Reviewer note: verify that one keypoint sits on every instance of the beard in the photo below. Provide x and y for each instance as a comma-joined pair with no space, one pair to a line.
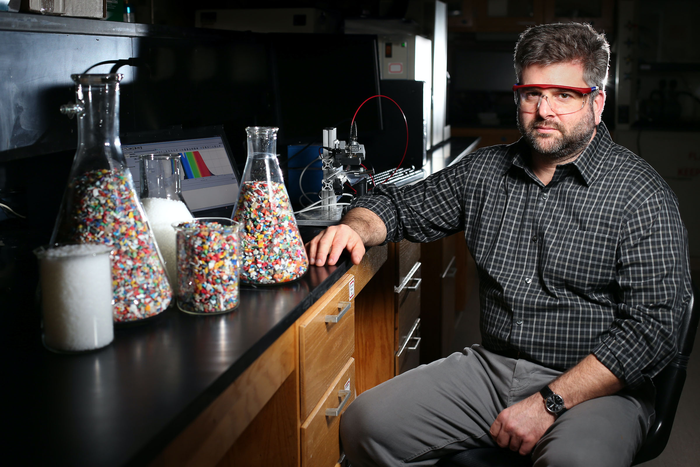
558,147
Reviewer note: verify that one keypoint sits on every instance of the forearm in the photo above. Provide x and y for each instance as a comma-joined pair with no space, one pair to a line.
587,380
520,426
367,224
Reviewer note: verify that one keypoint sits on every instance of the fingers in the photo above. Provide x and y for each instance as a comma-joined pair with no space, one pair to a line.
518,435
507,437
500,435
327,246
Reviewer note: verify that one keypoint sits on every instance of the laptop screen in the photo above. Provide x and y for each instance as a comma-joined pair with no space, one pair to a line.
210,179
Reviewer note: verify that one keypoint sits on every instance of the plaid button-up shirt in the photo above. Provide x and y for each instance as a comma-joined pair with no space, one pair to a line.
594,262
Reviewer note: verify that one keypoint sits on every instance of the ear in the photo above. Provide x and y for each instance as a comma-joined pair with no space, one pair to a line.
598,105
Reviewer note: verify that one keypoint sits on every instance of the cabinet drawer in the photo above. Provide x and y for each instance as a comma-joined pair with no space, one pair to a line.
320,439
324,345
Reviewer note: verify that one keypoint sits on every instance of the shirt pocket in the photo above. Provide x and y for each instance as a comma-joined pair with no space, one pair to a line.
579,260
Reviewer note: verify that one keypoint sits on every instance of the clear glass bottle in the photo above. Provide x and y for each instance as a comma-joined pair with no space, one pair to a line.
161,196
100,204
272,250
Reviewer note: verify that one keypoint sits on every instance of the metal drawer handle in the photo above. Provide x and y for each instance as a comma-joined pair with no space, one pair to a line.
414,346
335,318
335,412
409,338
408,278
450,271
414,286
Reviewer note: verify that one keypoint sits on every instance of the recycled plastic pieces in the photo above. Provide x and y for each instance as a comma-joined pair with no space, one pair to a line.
272,250
100,204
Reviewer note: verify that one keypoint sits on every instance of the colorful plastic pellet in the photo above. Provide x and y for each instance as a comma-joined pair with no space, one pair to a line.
271,247
106,210
208,266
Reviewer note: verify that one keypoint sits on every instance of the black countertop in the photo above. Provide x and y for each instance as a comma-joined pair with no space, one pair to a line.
121,405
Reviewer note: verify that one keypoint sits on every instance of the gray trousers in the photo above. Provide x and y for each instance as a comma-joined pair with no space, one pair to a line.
449,405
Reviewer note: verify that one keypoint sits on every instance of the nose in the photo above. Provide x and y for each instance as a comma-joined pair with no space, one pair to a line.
541,110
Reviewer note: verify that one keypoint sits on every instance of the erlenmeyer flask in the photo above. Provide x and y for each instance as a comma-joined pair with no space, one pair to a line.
161,196
271,247
100,204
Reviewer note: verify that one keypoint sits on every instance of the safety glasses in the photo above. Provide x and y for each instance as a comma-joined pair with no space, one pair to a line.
562,100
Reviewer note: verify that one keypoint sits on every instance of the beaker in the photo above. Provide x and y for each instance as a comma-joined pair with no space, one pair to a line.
161,196
272,250
100,204
76,297
208,265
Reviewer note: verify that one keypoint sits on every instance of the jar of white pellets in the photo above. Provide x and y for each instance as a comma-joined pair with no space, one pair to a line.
76,297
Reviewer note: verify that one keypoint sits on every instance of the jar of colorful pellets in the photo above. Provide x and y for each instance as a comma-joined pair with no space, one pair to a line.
208,265
100,204
272,250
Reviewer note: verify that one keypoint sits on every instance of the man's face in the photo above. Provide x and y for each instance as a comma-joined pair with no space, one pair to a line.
559,137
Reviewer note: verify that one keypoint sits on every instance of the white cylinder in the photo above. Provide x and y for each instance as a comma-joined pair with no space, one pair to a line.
162,213
76,287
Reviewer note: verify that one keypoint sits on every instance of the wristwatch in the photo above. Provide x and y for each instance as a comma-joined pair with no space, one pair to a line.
553,402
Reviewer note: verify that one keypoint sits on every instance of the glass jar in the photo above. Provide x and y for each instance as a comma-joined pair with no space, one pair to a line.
76,317
100,204
272,250
208,265
161,196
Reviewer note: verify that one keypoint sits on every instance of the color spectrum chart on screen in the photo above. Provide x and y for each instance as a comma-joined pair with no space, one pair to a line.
209,180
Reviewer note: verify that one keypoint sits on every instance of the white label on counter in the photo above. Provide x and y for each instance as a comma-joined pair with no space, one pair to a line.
351,289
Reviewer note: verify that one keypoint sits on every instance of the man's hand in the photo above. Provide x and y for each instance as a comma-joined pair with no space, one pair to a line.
329,244
359,228
520,426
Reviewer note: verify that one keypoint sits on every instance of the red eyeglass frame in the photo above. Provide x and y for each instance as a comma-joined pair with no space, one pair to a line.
549,86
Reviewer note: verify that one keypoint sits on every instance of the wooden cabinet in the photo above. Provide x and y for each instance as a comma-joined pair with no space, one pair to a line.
295,403
326,372
387,339
326,342
450,305
285,409
407,303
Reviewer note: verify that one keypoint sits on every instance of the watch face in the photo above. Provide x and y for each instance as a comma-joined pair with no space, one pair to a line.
554,403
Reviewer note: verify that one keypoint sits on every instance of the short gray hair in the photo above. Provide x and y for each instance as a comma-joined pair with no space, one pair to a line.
549,44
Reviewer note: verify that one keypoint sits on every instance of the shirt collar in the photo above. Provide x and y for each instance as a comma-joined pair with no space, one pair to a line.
587,164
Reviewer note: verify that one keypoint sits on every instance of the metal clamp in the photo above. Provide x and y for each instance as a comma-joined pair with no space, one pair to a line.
408,278
335,412
409,338
335,318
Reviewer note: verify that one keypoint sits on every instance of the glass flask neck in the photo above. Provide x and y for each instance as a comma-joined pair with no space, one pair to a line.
262,163
97,110
262,140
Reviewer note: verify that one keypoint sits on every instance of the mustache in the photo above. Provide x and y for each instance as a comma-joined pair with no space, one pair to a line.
544,124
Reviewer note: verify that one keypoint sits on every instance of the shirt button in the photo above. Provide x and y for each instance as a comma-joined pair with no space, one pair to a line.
545,195
534,238
528,280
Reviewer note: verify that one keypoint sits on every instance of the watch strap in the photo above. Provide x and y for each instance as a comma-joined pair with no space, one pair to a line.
546,392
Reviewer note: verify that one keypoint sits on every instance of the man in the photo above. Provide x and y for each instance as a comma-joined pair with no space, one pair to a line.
584,275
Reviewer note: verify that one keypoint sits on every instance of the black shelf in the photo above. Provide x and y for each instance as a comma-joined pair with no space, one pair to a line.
669,67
